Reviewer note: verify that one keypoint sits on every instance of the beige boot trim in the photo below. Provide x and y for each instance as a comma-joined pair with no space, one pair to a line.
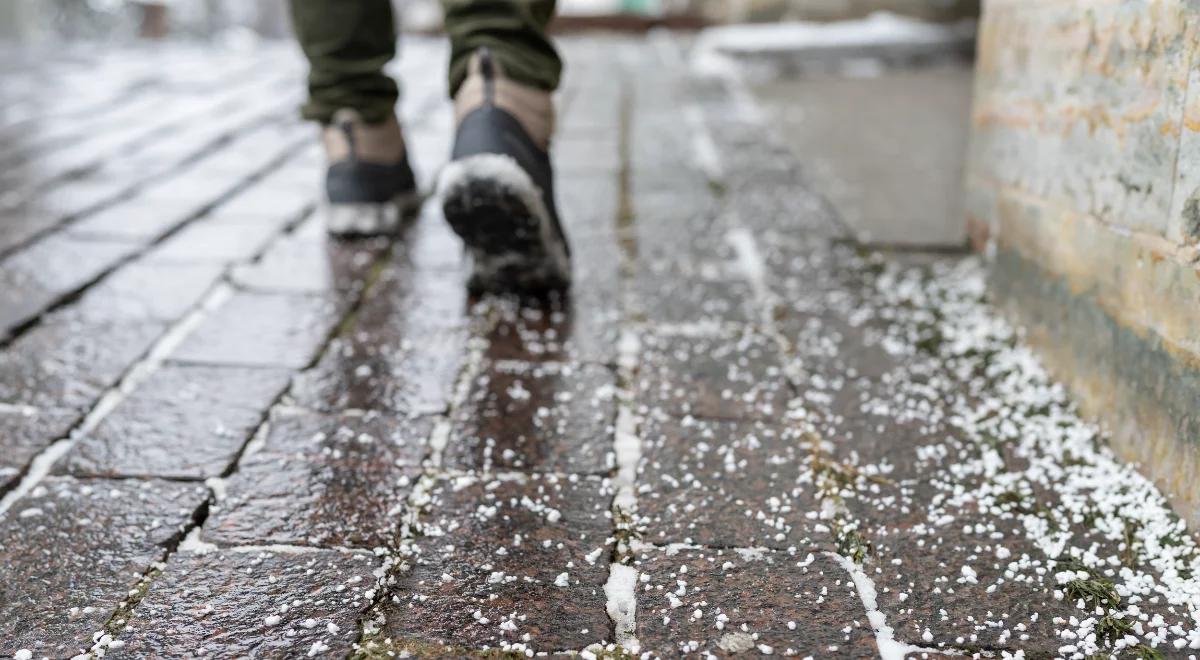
380,143
532,107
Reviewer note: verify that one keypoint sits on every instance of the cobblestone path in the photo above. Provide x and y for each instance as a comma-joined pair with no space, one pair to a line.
225,435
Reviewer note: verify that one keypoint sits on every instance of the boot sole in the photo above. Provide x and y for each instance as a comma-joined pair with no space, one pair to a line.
368,219
498,211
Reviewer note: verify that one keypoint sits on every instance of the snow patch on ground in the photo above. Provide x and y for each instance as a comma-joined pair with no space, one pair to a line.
878,29
628,447
889,648
1020,435
704,150
622,604
192,543
627,444
750,262
855,44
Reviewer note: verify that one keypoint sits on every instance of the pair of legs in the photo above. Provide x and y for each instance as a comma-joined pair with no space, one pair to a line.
348,42
497,192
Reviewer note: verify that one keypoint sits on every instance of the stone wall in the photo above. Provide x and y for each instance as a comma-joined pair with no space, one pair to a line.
1083,185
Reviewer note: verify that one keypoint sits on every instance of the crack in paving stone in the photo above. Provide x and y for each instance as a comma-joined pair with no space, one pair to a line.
622,606
105,639
194,544
627,236
620,600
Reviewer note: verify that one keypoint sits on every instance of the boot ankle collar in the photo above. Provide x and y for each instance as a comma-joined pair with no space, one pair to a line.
348,137
487,84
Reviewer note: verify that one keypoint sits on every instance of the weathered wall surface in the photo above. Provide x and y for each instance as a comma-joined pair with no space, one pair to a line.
1084,183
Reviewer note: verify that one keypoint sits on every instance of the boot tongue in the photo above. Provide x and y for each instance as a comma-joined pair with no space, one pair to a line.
345,124
488,70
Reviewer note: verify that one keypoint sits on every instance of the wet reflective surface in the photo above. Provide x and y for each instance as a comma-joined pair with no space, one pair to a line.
32,280
185,421
73,549
66,363
27,432
574,328
530,551
307,263
729,484
369,372
802,594
540,417
224,433
324,481
734,376
250,602
263,330
145,290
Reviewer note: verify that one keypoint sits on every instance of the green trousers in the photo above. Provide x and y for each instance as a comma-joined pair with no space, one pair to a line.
348,42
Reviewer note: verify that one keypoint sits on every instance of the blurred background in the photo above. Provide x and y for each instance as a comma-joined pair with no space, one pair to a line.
35,20
822,69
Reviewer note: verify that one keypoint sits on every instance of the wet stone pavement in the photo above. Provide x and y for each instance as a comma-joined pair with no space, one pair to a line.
224,434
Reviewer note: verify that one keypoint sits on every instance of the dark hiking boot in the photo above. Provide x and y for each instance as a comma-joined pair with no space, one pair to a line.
369,183
498,190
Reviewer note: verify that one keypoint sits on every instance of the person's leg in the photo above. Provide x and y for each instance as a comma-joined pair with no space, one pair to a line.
369,184
498,190
347,43
513,30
